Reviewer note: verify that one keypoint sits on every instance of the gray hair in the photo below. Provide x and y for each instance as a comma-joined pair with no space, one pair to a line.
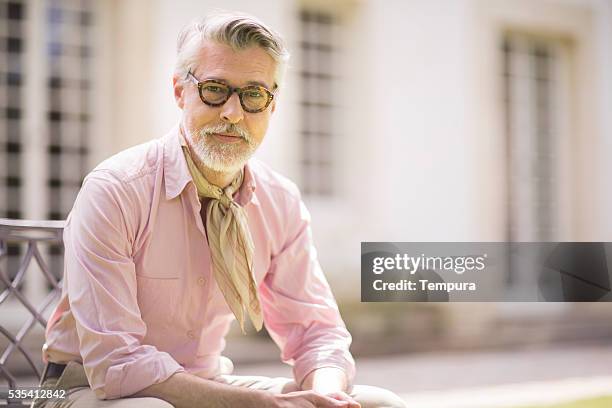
237,30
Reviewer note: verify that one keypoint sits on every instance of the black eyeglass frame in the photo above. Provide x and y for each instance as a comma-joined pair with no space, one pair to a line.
239,91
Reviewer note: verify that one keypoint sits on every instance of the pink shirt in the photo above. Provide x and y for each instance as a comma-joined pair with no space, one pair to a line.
139,301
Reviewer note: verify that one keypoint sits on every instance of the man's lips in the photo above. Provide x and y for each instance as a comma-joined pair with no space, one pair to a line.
227,138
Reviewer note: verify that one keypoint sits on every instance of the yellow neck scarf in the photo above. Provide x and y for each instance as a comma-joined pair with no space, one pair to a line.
231,246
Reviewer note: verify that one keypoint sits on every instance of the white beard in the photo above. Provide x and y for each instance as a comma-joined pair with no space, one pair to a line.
223,157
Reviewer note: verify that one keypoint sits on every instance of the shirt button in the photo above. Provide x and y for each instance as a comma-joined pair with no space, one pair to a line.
190,334
201,281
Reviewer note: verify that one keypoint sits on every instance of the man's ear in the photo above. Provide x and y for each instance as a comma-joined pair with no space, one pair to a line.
177,84
273,106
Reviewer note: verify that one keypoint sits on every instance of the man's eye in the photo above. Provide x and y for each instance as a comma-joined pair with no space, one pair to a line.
213,88
254,94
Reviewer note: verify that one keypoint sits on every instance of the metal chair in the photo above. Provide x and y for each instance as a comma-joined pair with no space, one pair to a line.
32,234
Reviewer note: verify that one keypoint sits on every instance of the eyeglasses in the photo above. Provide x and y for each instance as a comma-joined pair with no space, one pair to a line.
253,98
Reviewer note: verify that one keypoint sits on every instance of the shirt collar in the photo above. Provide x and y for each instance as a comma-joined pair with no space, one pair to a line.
176,173
177,176
246,193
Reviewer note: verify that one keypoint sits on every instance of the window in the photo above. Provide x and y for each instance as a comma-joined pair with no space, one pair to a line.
12,29
533,83
69,57
69,51
537,118
317,50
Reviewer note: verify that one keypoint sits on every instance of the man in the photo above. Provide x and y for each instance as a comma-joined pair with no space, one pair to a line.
170,241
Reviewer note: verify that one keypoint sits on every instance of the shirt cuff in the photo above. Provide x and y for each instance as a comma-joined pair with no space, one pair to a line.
126,379
301,371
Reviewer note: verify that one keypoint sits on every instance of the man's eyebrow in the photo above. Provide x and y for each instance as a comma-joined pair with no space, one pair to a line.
258,83
223,81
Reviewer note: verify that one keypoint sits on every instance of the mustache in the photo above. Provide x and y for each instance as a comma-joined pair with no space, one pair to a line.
226,129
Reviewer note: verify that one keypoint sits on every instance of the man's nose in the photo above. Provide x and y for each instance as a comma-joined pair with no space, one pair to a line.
231,111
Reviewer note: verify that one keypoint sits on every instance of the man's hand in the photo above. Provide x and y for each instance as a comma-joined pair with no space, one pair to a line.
312,399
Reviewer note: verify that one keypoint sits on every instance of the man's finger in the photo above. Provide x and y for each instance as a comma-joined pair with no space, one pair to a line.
322,401
342,396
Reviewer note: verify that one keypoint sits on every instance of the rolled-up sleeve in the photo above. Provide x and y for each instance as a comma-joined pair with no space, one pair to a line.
102,290
300,312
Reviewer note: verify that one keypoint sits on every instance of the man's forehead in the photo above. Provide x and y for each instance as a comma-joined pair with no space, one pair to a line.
247,66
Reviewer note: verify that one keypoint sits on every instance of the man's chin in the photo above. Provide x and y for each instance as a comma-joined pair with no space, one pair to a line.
217,159
224,165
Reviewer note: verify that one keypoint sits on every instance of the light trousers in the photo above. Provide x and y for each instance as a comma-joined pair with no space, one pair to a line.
80,395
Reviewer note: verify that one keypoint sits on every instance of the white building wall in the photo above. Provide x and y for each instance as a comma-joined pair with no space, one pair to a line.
421,156
407,166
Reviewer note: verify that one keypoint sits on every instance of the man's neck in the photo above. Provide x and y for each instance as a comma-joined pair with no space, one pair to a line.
219,179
